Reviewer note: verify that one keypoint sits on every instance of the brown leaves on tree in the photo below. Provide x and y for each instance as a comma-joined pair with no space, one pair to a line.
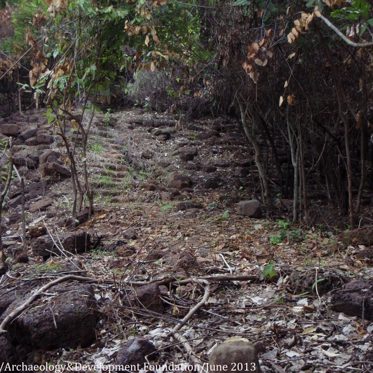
38,60
300,25
258,54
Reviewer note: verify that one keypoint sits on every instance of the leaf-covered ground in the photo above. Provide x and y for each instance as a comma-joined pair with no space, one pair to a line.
274,280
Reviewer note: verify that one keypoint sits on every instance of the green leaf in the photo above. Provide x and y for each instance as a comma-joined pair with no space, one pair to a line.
269,271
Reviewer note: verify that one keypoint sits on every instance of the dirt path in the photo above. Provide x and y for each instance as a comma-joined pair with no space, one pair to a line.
167,206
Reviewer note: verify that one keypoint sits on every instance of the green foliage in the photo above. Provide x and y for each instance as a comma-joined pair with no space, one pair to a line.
22,22
357,10
166,207
269,271
292,235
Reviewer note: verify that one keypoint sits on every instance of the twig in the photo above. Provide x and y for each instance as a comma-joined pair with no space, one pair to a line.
17,311
226,263
194,309
188,348
342,36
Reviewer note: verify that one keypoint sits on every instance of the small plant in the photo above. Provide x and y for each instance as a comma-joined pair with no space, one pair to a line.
166,207
292,235
108,118
97,148
105,180
269,272
225,215
47,267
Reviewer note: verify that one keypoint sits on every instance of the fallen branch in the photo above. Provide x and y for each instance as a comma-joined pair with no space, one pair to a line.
194,309
17,311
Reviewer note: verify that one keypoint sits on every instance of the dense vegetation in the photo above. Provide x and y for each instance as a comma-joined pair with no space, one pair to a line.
297,74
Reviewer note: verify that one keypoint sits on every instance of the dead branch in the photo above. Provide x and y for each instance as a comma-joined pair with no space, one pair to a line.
342,36
194,309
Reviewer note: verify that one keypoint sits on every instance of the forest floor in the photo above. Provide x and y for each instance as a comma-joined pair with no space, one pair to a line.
167,209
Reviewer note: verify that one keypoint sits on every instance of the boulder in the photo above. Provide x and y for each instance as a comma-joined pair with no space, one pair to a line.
359,236
76,242
41,205
66,319
187,205
149,297
55,169
27,134
49,155
235,354
24,158
179,182
355,299
44,138
213,182
136,351
130,234
8,352
10,129
250,208
188,154
3,264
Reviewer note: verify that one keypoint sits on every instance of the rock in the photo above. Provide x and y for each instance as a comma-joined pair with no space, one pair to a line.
76,242
213,182
303,281
25,159
235,354
67,320
187,262
32,141
44,138
136,351
27,134
3,264
35,189
209,168
163,131
55,169
250,208
188,154
359,236
21,257
43,246
81,218
8,352
147,154
130,234
49,156
41,205
355,299
180,182
187,205
35,231
148,296
14,202
10,129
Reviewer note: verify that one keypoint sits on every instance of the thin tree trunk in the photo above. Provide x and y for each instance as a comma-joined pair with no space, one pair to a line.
257,156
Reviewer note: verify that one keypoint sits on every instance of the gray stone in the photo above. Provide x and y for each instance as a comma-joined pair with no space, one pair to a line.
41,205
136,351
355,299
10,129
180,182
250,208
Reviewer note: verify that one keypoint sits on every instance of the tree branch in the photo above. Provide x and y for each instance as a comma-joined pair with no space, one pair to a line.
341,35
